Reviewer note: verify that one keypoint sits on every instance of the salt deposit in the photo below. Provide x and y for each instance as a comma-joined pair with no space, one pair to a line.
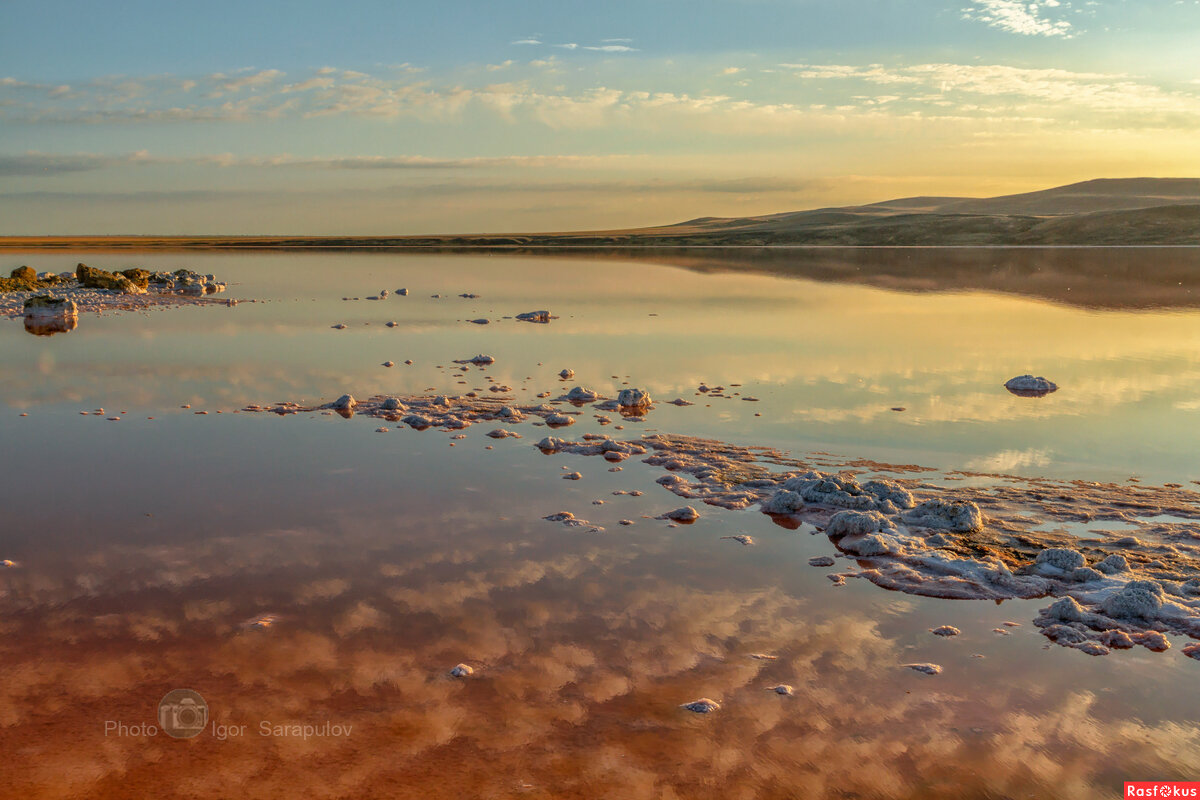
633,398
1104,591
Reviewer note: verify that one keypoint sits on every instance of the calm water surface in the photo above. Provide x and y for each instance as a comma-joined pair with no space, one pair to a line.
143,547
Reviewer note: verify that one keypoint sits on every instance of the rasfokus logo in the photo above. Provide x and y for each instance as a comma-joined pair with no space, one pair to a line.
182,714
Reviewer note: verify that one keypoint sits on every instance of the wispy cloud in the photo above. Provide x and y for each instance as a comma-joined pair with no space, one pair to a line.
1025,17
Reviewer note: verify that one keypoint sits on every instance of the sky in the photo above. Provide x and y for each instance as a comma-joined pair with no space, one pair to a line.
371,117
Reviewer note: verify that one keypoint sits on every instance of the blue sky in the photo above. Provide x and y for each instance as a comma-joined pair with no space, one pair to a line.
374,117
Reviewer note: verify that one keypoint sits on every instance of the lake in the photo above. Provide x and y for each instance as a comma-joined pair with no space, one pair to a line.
311,573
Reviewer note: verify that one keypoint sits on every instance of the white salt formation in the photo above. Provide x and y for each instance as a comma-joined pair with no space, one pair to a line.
633,398
994,539
579,394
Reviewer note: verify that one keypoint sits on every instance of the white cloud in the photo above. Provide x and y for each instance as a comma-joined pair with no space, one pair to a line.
1025,17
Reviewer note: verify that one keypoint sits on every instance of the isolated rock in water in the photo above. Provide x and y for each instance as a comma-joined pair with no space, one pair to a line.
1029,386
740,538
480,321
579,394
961,516
821,561
633,398
572,476
928,669
462,671
783,689
40,325
853,523
567,374
685,514
1135,600
945,630
402,292
479,359
500,433
341,326
783,502
50,307
535,316
559,420
844,491
701,706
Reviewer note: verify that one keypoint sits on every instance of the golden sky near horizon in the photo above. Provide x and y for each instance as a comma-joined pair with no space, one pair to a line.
468,117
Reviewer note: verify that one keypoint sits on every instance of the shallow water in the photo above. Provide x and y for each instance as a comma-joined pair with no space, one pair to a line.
143,547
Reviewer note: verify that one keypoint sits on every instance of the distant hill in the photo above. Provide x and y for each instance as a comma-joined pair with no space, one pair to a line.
1125,211
1129,211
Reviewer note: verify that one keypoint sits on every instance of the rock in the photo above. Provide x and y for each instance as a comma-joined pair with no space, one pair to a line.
741,538
567,374
480,359
501,433
701,706
552,444
341,326
344,403
783,689
572,476
560,420
391,324
392,404
389,363
1029,386
138,277
462,671
821,561
928,669
945,630
633,398
480,321
92,278
42,305
402,292
535,316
